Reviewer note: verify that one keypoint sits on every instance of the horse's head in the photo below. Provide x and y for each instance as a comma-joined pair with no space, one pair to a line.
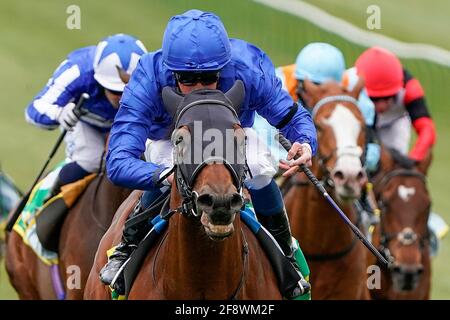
405,204
341,137
209,153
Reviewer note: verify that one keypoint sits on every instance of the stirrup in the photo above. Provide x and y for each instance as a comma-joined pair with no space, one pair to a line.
299,263
119,275
304,288
304,285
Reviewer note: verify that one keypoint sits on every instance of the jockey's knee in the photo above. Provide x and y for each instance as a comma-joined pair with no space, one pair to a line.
90,165
266,195
150,196
72,172
258,182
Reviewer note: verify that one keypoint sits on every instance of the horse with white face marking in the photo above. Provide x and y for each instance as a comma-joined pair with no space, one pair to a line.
402,235
337,259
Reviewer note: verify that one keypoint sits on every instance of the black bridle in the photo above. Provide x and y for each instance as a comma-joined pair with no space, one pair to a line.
189,204
213,109
406,236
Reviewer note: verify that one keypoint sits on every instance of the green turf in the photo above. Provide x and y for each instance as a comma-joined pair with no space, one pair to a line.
407,20
35,40
6,291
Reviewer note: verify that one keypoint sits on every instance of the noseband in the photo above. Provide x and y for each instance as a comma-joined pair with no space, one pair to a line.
195,113
353,151
188,206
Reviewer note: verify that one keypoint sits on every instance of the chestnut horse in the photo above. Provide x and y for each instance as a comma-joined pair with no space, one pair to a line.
402,235
85,224
206,252
336,258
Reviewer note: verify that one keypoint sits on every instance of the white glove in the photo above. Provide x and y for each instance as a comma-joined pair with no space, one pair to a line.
67,117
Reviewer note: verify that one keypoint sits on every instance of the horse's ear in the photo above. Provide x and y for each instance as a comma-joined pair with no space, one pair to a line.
424,165
236,95
312,89
387,162
124,76
171,100
359,86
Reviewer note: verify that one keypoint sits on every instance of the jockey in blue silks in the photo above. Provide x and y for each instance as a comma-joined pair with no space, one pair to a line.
100,71
197,53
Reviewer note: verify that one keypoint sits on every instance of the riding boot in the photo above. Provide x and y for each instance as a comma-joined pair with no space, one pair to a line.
279,228
134,231
69,173
269,207
131,237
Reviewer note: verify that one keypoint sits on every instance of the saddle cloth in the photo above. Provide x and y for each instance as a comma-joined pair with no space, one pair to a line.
40,205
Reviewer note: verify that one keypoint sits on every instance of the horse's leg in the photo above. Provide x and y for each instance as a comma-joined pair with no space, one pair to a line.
17,270
76,261
42,278
95,289
29,276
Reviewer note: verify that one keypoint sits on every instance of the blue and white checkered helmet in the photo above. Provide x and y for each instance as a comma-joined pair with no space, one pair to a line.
114,53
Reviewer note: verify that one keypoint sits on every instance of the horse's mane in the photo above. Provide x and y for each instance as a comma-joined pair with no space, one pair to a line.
401,160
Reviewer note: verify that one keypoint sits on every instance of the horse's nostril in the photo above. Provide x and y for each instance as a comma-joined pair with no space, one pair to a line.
420,270
339,175
205,200
236,201
397,269
360,176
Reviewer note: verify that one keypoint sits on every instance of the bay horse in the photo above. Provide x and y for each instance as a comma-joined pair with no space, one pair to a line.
402,234
83,227
336,258
207,252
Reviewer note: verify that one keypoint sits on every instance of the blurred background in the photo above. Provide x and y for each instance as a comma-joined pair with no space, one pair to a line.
34,40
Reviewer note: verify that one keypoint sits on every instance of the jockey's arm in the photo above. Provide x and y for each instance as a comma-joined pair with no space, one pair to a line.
278,108
63,87
420,117
131,128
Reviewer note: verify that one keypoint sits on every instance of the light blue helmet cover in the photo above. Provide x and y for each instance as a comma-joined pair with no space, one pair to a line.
320,62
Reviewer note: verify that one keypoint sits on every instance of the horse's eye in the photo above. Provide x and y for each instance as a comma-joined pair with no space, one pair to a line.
383,205
179,140
180,136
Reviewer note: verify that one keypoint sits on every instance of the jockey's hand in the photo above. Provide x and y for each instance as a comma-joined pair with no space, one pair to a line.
304,153
167,181
67,117
170,179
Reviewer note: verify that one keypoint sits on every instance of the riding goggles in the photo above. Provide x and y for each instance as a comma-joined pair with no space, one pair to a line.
376,99
116,93
192,78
